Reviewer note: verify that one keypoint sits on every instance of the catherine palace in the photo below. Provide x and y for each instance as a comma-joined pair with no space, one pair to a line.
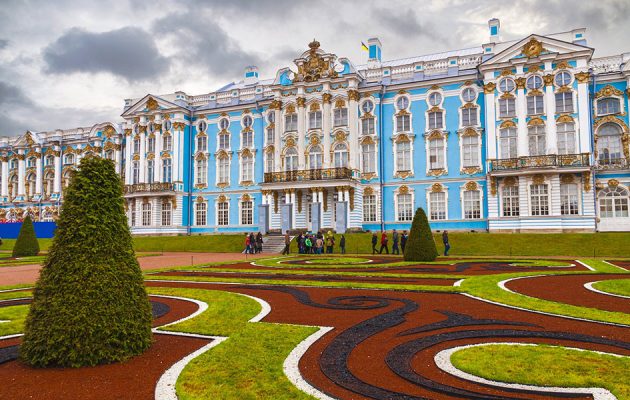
506,136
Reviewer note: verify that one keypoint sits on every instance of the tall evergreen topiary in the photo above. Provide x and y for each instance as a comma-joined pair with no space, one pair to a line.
90,305
420,245
26,244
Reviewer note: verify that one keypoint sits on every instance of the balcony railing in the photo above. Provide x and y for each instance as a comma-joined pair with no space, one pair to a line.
547,161
311,175
149,187
612,163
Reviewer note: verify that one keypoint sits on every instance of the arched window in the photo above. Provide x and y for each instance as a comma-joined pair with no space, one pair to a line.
167,125
30,182
368,155
223,173
31,162
68,159
202,171
613,202
150,171
49,160
66,177
537,140
247,121
291,159
49,181
566,138
14,163
167,170
608,105
508,142
341,155
224,123
13,186
403,156
315,157
609,145
202,126
247,168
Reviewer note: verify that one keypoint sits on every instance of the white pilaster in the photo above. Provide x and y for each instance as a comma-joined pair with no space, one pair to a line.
128,161
301,133
5,179
38,175
157,172
21,174
550,112
353,128
326,126
491,130
521,113
279,130
143,141
57,178
118,155
584,119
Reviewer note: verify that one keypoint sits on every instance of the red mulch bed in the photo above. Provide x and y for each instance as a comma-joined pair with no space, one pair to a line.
570,289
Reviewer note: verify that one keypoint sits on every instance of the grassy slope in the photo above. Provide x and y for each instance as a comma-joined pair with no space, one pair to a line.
620,286
16,315
249,364
546,366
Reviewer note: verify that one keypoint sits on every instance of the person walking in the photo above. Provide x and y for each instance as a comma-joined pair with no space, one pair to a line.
395,239
342,244
259,243
300,243
384,241
374,241
403,241
307,244
447,245
319,244
287,243
247,244
252,243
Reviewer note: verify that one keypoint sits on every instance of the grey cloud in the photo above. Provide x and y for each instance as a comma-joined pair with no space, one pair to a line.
3,43
405,23
12,95
204,43
128,52
275,8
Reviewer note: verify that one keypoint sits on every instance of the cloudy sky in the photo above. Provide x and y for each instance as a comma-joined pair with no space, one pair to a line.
69,63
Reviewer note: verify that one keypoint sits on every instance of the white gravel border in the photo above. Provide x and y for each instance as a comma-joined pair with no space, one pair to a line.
443,361
291,364
589,286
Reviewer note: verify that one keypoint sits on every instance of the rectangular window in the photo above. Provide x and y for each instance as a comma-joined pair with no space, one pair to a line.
509,200
150,171
608,106
436,154
437,206
405,208
167,143
247,169
136,145
569,199
403,156
315,120
200,213
539,197
469,116
435,120
507,108
535,105
566,138
202,143
224,170
472,204
564,102
151,144
341,116
224,141
290,122
202,172
369,208
223,213
403,123
133,215
136,173
167,217
369,158
271,135
470,148
508,143
367,126
247,213
146,214
269,162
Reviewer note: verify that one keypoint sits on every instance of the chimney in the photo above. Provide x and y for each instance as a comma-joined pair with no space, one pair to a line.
251,75
494,26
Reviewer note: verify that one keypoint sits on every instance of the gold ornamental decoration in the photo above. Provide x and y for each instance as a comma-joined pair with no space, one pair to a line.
314,107
220,199
437,188
507,72
608,91
470,186
470,170
536,121
127,132
563,65
353,95
368,191
315,66
275,105
340,136
290,109
548,79
510,181
404,189
613,183
538,179
507,124
564,119
533,68
152,104
489,88
520,83
582,77
326,98
533,48
109,131
340,103
567,178
301,101
587,181
493,186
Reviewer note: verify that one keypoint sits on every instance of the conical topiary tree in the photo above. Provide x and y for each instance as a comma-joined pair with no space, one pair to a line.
420,245
90,305
26,244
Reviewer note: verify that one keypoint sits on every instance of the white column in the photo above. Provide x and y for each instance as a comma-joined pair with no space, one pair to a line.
128,160
5,178
550,112
143,139
38,175
176,152
554,195
157,172
279,129
21,175
491,132
301,110
521,113
326,125
118,155
287,196
294,208
584,115
353,128
57,181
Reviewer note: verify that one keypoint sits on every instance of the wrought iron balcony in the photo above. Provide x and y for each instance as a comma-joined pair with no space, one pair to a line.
311,175
150,187
605,164
547,161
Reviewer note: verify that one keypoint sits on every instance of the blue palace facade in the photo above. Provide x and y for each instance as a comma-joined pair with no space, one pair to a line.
506,136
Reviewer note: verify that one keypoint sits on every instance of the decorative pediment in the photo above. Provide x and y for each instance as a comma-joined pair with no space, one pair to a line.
150,103
532,47
315,64
29,139
608,91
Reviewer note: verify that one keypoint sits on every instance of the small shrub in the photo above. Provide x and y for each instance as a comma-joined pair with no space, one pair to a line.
420,245
26,244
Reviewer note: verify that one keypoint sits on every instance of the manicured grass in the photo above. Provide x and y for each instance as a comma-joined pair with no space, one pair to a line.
547,366
199,243
248,365
620,286
12,262
511,244
7,244
605,267
16,315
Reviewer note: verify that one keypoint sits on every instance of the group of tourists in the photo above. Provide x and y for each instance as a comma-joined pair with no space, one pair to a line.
399,241
253,243
315,243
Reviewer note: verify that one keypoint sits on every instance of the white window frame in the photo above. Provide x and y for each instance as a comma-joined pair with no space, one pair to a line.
463,200
541,197
241,212
515,207
147,214
464,146
370,209
222,220
201,213
576,195
247,168
430,207
166,213
395,149
223,174
404,214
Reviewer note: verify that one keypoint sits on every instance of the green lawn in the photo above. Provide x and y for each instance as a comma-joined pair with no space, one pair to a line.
619,286
249,364
546,366
15,315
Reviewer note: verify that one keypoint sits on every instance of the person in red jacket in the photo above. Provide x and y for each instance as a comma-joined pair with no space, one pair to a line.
384,241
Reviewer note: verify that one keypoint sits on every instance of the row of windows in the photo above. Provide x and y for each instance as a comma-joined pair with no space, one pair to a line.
167,144
146,217
535,105
562,78
167,171
537,140
223,213
539,201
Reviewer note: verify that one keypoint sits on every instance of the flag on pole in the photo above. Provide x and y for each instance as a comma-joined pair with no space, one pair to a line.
364,47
